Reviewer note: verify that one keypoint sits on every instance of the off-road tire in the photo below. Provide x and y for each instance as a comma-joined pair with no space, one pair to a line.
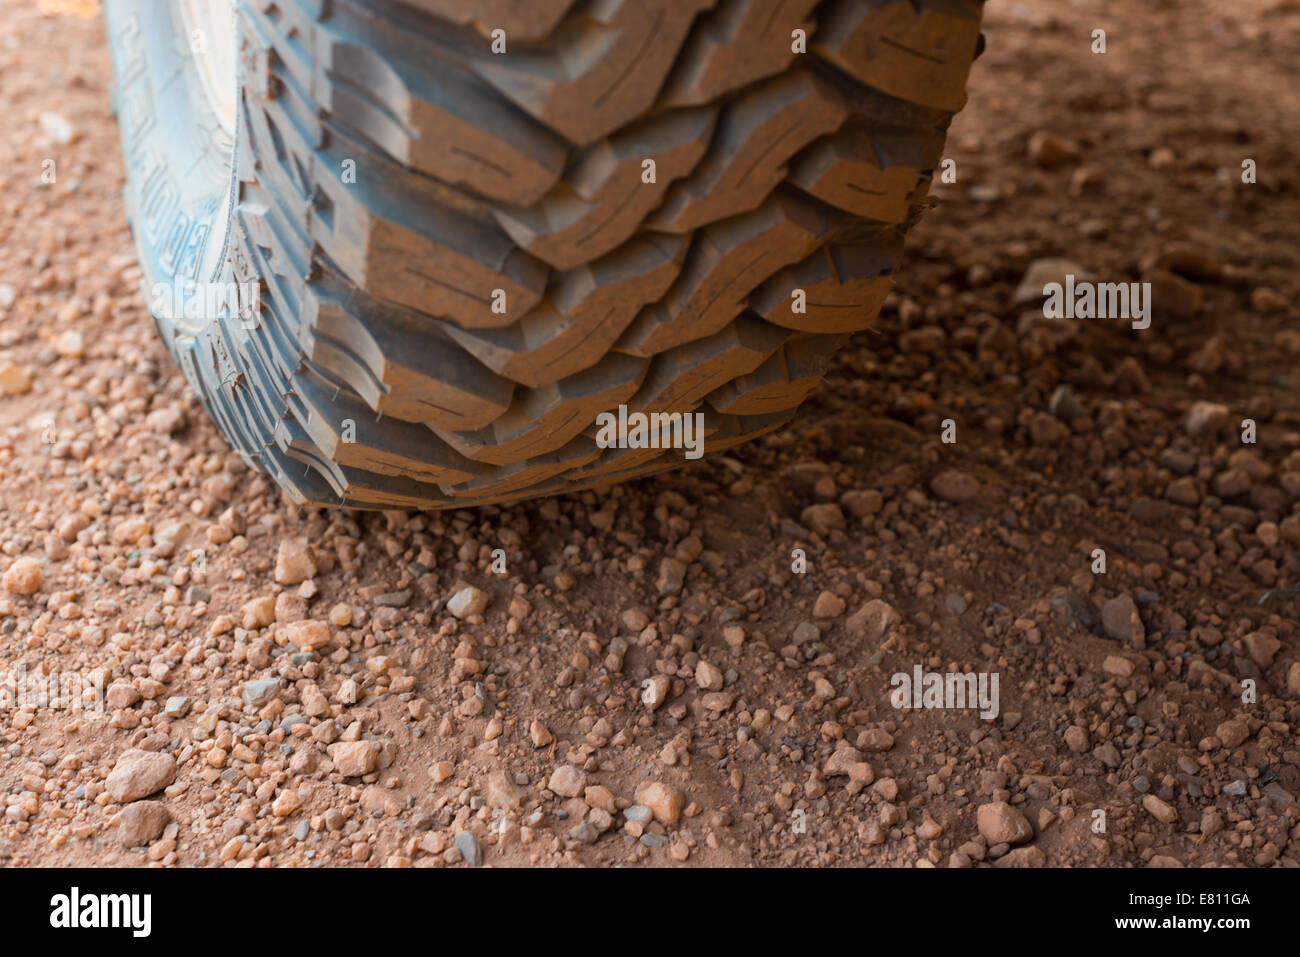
458,259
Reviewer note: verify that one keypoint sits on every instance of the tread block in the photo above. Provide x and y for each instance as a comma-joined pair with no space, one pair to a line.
521,19
449,267
602,202
303,485
391,235
572,455
850,171
727,260
587,311
353,485
664,464
541,420
844,287
607,64
348,431
553,486
679,378
424,112
783,381
278,189
377,231
741,42
397,363
756,135
732,430
621,461
916,50
453,129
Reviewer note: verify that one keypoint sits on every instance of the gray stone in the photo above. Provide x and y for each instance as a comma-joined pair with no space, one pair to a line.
261,692
469,848
638,814
584,833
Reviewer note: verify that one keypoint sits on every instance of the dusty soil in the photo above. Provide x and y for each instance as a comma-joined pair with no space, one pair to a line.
651,681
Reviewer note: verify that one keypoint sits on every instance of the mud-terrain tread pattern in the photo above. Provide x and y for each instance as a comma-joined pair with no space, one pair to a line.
380,375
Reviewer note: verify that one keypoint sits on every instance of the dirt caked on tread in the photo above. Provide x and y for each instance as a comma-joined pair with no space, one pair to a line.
463,255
